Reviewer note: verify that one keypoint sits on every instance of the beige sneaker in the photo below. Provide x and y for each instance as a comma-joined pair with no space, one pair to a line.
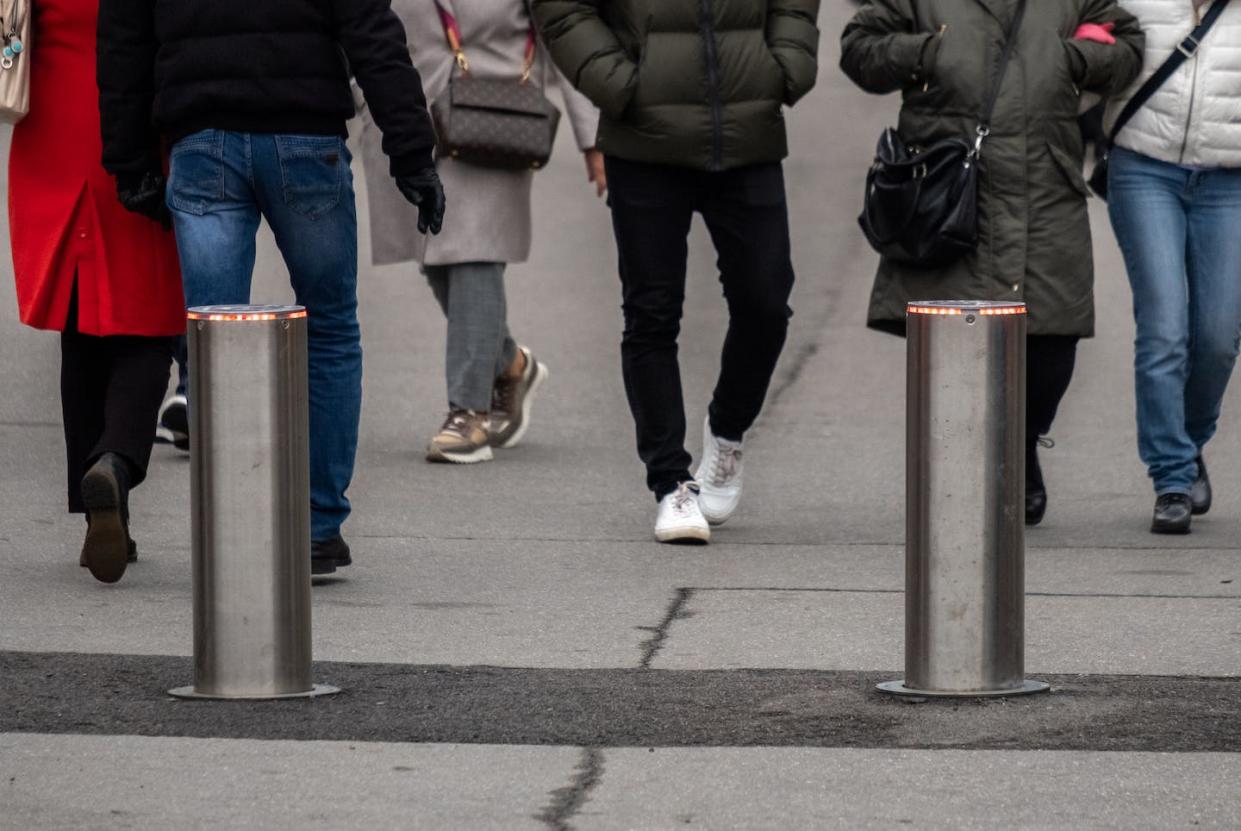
463,439
511,400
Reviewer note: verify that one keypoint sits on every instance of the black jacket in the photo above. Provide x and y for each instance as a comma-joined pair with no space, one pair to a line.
692,83
174,67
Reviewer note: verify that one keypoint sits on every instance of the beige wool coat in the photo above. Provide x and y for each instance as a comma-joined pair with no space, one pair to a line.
488,217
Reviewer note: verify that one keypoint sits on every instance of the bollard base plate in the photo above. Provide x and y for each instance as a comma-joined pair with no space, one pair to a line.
899,688
189,693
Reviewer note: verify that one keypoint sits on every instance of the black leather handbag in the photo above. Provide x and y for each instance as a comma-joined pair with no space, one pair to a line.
921,205
490,122
1183,52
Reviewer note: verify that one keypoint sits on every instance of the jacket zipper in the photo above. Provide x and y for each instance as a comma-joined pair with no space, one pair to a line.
1193,93
713,85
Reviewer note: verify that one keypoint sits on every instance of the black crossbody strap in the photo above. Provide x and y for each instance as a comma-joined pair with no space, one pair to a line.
1183,52
1006,56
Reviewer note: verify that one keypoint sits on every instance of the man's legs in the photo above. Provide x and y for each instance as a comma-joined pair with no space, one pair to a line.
747,217
652,206
304,186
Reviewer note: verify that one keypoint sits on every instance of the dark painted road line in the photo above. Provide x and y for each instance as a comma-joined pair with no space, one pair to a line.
125,695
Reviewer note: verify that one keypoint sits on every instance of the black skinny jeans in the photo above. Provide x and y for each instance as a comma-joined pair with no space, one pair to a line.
110,392
747,218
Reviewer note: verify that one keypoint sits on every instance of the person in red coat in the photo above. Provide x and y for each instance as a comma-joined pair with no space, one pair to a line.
105,278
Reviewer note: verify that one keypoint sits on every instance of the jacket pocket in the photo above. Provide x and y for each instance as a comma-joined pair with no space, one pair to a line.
312,170
196,175
1070,171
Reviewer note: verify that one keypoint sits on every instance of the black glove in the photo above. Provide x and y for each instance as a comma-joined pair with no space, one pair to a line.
145,195
424,190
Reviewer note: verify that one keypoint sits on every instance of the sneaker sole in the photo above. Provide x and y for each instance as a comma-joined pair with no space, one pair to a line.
106,548
718,519
1173,531
541,374
482,454
684,536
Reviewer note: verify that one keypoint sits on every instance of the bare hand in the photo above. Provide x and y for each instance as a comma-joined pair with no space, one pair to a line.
595,171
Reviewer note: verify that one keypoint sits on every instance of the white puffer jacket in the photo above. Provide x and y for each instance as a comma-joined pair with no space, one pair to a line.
1195,118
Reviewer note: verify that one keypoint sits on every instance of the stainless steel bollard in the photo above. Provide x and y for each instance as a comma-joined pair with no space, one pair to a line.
965,507
250,517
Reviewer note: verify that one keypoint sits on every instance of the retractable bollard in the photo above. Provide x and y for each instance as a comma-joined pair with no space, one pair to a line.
965,520
250,517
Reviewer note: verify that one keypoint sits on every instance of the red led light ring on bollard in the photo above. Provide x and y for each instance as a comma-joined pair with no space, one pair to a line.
245,314
964,307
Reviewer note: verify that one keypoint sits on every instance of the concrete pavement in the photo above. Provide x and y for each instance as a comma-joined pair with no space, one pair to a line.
542,562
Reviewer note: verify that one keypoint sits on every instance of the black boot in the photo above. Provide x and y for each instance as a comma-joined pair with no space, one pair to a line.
1173,512
1036,490
1200,491
105,492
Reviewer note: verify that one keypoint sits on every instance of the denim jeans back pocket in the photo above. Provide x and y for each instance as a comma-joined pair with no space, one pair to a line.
196,180
312,171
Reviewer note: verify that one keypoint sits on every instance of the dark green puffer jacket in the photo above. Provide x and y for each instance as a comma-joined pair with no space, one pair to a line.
1034,232
693,83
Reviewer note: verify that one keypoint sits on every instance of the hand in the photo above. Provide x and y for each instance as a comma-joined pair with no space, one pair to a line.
1095,32
424,190
595,171
144,195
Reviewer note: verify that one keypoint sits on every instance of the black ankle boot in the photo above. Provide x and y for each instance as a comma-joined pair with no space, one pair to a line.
1036,490
105,492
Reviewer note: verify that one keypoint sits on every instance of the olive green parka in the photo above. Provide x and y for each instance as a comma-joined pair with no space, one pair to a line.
943,56
692,83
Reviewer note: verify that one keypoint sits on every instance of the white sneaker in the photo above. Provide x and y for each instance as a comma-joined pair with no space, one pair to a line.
719,476
680,519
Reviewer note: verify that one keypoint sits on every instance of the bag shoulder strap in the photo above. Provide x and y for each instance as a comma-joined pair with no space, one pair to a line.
1006,56
1183,52
452,33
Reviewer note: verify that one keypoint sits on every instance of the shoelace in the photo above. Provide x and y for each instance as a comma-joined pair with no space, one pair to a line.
683,497
1043,441
724,465
459,421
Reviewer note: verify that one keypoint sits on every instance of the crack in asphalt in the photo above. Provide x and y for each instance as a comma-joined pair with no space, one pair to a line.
567,802
659,634
1086,595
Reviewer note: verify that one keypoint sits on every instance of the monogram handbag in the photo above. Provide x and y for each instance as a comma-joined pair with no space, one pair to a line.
921,204
1183,52
506,124
14,60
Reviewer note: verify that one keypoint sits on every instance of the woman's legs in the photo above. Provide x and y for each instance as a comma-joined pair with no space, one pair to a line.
83,393
1214,278
1050,360
1147,203
480,348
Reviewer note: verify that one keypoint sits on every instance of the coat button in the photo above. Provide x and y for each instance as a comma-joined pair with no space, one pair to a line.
1016,287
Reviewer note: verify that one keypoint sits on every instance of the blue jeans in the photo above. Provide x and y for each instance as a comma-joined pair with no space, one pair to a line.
1180,232
220,186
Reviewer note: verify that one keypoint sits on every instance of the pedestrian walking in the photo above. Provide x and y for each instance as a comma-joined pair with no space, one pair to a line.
492,381
946,59
254,99
103,277
691,94
1174,195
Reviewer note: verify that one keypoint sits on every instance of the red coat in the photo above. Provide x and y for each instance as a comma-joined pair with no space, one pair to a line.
64,218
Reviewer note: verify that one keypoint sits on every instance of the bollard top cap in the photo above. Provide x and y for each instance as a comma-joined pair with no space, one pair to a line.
982,308
245,313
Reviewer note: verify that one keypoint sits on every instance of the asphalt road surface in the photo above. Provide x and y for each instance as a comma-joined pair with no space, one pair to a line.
516,651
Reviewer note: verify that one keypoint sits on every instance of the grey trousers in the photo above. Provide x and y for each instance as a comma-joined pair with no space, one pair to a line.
480,348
